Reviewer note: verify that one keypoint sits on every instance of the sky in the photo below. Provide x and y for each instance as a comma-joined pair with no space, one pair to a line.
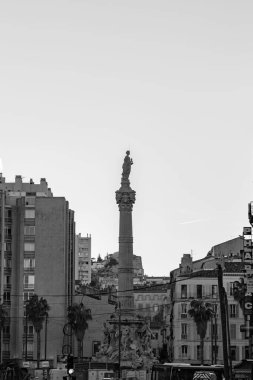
82,81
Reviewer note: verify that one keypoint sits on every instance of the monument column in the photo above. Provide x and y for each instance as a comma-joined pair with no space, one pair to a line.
125,198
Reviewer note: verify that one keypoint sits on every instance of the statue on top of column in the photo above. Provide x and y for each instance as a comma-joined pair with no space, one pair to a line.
127,166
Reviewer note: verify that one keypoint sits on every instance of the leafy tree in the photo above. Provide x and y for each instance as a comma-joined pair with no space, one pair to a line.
111,262
201,312
78,316
3,317
239,291
99,259
37,311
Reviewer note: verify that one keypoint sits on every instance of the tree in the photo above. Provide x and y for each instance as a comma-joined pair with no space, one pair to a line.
78,316
37,311
3,317
99,259
201,312
239,291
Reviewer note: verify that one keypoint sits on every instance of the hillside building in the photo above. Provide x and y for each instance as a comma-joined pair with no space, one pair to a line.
83,259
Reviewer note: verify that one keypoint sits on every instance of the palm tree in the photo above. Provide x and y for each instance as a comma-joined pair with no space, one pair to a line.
201,312
3,317
78,316
37,311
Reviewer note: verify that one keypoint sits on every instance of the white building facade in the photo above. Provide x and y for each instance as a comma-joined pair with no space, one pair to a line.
182,332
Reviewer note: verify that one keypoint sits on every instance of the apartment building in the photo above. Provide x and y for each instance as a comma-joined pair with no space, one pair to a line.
152,302
83,259
202,284
37,256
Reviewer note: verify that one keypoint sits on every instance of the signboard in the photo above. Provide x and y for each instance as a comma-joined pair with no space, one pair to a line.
247,243
246,230
204,375
247,254
248,304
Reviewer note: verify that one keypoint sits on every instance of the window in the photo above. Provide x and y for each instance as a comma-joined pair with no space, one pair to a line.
27,295
6,329
29,263
231,288
183,331
215,308
7,263
233,311
29,246
184,350
29,201
29,230
7,280
147,309
198,352
30,346
29,214
233,352
7,232
7,297
183,308
183,291
8,246
214,291
8,213
233,331
28,329
199,291
95,346
29,282
6,347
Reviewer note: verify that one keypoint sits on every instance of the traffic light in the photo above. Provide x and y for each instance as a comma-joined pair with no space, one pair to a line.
70,364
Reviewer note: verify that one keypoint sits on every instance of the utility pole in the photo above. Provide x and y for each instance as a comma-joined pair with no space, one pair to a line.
223,322
46,336
119,308
228,336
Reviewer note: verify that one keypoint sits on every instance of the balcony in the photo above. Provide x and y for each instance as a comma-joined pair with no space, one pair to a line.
28,286
29,270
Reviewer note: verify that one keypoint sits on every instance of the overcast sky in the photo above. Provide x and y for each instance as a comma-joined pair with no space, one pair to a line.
83,81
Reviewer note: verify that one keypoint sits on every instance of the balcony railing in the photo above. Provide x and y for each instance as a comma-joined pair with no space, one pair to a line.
29,286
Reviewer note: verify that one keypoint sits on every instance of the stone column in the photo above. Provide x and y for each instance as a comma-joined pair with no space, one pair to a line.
125,198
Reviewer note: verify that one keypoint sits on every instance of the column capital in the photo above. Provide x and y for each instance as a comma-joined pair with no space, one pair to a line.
125,198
